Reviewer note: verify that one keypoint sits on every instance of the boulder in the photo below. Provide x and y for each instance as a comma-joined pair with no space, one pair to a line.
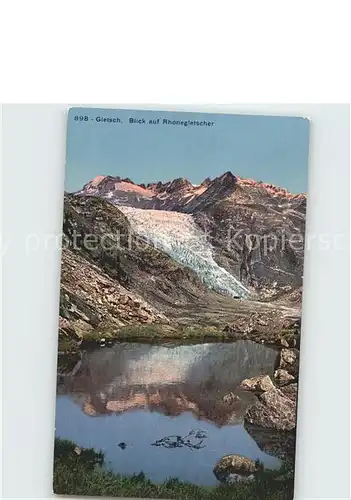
290,340
289,361
260,384
284,342
234,464
123,299
274,410
230,398
290,391
283,377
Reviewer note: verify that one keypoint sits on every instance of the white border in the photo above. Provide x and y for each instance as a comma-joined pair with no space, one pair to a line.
33,154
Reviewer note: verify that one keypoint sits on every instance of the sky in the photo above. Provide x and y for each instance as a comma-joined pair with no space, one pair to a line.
264,148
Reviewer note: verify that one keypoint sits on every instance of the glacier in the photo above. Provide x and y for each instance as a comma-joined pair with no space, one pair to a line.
178,235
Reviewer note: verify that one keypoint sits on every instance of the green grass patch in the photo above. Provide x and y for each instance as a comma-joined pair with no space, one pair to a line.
156,332
98,333
81,474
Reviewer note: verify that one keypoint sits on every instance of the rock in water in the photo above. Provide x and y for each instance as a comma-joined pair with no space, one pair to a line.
274,410
260,384
234,464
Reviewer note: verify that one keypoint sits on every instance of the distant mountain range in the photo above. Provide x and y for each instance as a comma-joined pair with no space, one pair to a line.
181,195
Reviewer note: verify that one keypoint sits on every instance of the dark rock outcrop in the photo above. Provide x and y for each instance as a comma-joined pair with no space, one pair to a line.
282,377
272,325
258,385
290,391
274,410
289,361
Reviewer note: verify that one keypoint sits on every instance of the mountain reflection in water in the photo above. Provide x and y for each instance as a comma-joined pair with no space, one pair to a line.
129,384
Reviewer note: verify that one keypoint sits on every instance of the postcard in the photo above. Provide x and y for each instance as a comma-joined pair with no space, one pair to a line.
180,304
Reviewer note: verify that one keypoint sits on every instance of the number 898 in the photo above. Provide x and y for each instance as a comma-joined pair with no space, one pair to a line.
80,118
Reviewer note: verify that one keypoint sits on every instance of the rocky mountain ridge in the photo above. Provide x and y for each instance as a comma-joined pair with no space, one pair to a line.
177,193
256,229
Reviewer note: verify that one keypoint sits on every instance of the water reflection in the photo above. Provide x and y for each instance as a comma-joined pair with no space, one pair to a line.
168,379
144,394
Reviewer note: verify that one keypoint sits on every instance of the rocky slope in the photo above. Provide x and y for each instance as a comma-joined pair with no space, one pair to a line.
256,229
110,277
179,254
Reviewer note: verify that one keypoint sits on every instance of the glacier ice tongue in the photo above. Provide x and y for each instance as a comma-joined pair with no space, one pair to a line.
178,235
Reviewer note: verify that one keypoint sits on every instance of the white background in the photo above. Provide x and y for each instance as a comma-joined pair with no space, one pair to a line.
34,138
171,53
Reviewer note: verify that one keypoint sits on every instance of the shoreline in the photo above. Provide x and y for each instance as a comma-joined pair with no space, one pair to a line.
79,471
159,333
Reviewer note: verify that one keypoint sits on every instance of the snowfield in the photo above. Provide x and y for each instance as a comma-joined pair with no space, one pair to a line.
178,235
